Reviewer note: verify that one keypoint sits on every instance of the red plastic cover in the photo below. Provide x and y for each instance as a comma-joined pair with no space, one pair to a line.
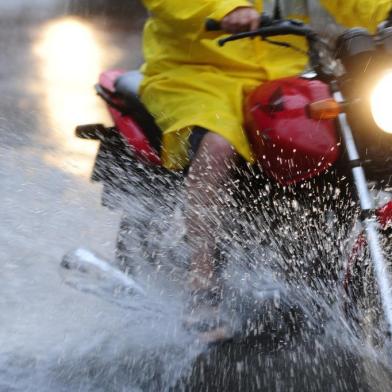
290,146
125,125
384,215
108,78
135,136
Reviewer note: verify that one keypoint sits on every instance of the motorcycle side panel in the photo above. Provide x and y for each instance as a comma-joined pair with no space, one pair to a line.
135,137
384,215
290,146
127,127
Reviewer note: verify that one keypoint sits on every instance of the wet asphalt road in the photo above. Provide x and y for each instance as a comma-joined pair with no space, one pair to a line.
51,54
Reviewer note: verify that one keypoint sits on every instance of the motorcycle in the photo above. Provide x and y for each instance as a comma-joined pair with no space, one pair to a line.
301,129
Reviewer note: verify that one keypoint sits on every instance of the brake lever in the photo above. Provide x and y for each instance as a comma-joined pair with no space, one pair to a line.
287,27
235,37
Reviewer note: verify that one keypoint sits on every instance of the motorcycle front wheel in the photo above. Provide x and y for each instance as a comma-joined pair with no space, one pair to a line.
364,308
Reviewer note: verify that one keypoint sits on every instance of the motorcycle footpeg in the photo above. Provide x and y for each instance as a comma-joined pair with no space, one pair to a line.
91,131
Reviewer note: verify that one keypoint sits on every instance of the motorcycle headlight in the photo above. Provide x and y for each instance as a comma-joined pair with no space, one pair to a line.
381,103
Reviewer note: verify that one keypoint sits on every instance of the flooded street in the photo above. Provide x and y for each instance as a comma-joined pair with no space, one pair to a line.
56,338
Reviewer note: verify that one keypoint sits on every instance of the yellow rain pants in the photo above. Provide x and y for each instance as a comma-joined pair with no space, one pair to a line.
190,81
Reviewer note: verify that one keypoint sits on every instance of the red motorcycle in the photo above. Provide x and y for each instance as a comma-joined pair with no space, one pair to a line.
301,131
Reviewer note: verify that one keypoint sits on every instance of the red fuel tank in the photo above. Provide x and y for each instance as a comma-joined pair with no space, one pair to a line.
290,146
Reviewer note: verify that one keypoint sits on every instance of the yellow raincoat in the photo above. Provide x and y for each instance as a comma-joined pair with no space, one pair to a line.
190,81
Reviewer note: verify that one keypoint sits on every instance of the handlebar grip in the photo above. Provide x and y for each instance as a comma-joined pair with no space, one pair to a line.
213,25
265,20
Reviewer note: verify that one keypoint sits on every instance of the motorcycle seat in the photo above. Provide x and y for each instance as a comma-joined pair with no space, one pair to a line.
128,83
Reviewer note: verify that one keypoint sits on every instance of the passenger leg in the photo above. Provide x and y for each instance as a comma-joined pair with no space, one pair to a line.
209,170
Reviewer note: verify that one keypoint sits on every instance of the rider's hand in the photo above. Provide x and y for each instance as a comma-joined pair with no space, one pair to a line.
241,19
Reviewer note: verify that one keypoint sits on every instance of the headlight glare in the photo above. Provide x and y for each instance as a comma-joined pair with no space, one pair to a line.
381,103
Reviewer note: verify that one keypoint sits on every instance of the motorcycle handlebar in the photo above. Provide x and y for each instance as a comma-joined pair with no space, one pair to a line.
269,28
274,27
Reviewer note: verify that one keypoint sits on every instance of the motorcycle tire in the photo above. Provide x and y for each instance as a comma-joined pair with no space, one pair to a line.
364,308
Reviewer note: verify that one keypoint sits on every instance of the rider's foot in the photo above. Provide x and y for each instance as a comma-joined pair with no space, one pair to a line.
210,329
205,317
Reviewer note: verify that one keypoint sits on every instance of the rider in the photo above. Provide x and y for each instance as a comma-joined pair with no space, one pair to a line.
195,90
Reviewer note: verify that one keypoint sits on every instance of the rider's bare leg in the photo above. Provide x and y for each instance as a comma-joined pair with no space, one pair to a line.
209,170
